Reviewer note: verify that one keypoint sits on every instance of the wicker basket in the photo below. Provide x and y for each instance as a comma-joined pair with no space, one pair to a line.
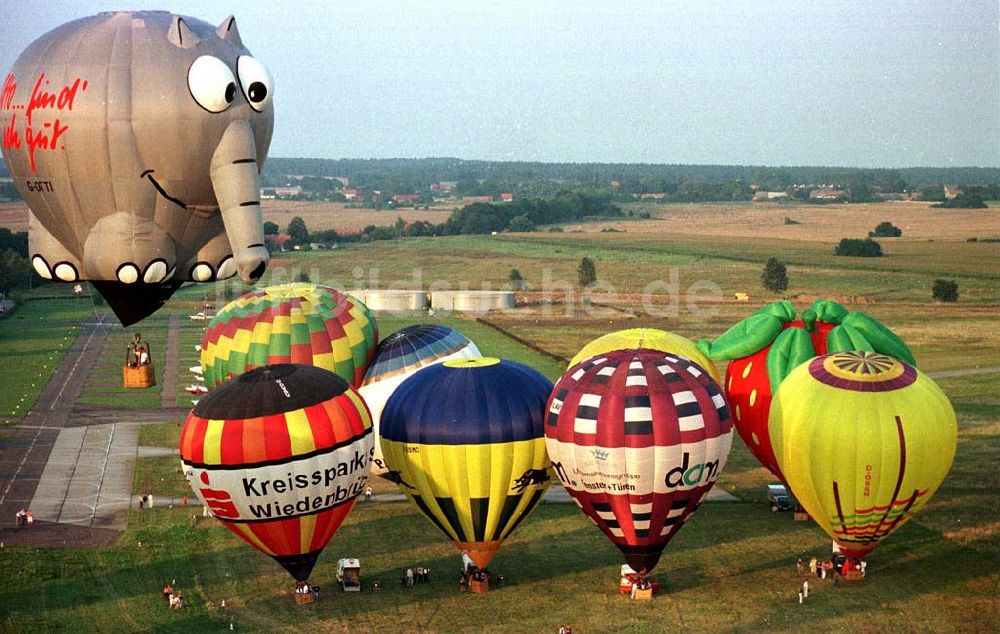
139,376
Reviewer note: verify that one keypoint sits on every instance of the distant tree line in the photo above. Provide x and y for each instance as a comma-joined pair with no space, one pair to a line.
412,173
475,219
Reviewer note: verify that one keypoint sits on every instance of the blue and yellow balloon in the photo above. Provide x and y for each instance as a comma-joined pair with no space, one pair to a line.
464,441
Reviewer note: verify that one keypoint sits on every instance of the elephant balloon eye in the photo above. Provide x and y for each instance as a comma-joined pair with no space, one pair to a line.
211,83
256,82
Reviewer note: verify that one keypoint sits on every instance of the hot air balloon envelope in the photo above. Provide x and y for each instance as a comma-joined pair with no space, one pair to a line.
280,455
864,441
291,323
136,140
401,354
649,338
638,438
464,441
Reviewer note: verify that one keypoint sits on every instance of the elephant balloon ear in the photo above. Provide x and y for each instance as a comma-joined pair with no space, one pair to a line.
228,31
180,34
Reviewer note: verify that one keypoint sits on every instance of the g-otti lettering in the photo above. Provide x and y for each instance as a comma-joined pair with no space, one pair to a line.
39,186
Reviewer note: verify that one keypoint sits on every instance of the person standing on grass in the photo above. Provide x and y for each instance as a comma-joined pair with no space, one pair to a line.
168,591
805,588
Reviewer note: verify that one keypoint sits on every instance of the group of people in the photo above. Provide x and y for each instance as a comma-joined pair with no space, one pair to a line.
838,567
303,587
480,575
175,600
419,574
24,517
146,501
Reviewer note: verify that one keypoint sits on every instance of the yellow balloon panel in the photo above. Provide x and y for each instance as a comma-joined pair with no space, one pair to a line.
475,492
864,441
651,338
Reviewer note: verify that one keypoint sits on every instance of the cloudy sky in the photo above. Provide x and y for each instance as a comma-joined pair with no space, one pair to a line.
765,82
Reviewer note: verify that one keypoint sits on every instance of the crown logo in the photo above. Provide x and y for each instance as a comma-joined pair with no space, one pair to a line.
599,454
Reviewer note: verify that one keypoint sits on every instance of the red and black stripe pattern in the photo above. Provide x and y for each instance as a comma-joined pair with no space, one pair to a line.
638,437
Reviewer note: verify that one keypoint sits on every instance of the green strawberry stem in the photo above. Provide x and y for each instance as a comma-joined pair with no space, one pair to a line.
792,347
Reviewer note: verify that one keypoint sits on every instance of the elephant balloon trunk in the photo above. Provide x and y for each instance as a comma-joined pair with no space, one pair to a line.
234,178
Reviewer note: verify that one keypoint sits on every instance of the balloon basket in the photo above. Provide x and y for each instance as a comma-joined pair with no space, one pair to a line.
304,598
138,376
853,575
479,587
801,516
645,594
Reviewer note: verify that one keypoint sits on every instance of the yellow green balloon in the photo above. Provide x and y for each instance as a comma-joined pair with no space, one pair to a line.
864,441
651,338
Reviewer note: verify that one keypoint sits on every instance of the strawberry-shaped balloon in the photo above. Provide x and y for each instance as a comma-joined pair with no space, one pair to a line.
766,346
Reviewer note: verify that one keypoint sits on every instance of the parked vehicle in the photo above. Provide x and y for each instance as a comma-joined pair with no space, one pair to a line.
349,574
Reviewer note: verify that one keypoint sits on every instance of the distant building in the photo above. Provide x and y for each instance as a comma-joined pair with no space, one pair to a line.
615,184
506,196
405,199
277,240
653,196
352,193
287,192
827,193
763,195
468,200
443,186
269,193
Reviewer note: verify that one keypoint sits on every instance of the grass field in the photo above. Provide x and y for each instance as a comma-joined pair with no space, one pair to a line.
33,340
730,569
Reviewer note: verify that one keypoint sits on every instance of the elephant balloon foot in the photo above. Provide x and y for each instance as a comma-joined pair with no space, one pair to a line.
214,261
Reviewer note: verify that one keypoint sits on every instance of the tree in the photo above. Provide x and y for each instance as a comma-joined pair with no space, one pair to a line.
271,228
885,229
856,247
945,290
520,224
964,201
297,230
15,271
587,272
775,276
933,192
516,279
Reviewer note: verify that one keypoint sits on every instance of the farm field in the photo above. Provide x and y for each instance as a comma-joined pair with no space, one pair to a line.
733,566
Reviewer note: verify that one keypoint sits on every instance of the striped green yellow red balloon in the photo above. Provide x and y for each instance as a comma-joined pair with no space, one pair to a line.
309,324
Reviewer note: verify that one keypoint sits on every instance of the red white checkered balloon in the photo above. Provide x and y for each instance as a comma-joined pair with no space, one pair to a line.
638,438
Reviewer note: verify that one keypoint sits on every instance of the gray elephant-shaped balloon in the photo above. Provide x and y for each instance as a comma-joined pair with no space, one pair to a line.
136,140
